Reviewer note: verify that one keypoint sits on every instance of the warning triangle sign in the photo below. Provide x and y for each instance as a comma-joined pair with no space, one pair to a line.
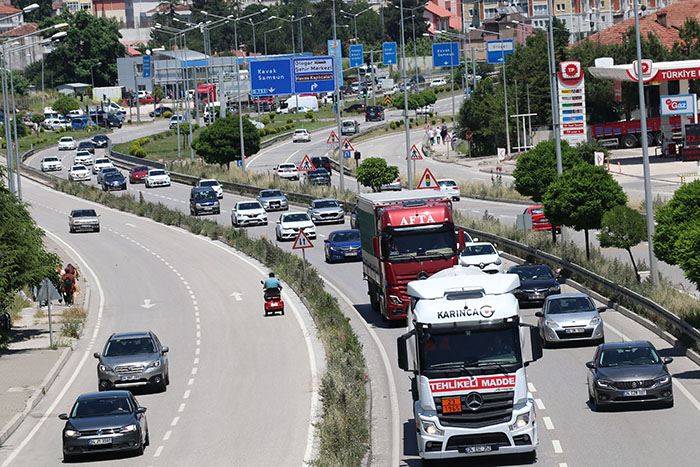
428,181
416,154
306,164
332,138
302,241
347,146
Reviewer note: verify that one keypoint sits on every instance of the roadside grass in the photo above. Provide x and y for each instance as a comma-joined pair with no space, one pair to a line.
72,322
45,139
17,304
343,429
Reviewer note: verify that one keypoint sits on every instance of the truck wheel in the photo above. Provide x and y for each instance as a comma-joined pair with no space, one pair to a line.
373,297
628,141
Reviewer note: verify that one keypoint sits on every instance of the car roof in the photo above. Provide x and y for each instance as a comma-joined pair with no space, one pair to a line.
248,201
103,394
344,231
295,212
202,189
477,243
626,344
567,295
208,180
130,334
324,199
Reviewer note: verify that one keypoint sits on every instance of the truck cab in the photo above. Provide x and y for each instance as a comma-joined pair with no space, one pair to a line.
464,346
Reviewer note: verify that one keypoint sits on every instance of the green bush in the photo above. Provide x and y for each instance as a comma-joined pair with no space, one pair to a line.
392,125
309,115
289,121
167,114
271,116
265,120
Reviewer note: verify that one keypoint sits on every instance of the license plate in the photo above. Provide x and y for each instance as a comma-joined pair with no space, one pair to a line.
100,441
129,378
635,392
575,330
536,295
451,405
477,449
350,253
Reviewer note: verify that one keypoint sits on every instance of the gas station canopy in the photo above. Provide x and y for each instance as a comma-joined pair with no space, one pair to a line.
652,71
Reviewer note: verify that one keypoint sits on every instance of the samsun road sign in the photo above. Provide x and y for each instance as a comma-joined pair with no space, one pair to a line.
332,138
271,77
306,164
302,241
428,181
445,54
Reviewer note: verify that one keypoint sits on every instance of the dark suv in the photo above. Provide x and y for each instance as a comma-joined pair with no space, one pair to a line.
322,161
374,113
86,146
320,176
203,199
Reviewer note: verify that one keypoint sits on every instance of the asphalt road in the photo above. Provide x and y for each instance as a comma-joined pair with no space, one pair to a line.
242,386
570,433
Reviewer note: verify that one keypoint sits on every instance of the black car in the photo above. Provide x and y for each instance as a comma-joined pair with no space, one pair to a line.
374,113
322,162
203,199
537,282
113,181
86,146
354,108
106,421
159,111
628,372
106,120
319,176
100,141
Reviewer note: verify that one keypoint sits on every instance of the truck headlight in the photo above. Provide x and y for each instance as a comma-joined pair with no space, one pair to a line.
395,300
521,421
431,428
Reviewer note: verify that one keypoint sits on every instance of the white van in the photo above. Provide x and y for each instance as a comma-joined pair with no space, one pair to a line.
296,102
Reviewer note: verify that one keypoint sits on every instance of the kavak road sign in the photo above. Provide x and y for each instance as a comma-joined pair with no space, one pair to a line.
271,77
347,146
302,241
389,53
445,54
332,138
428,181
416,154
306,164
313,74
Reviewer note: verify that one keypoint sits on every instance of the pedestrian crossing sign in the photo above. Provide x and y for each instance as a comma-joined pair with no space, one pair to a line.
302,241
306,164
428,181
416,154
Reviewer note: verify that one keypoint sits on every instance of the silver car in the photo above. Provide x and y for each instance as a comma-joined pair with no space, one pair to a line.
326,211
570,317
133,359
80,220
273,200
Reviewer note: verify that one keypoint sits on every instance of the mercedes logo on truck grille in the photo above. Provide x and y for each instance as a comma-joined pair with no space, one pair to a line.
474,401
422,275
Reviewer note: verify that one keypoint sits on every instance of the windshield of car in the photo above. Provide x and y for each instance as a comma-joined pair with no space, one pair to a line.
50,159
326,203
84,213
83,154
622,356
537,211
156,172
112,175
418,243
287,167
248,206
320,172
270,193
85,144
102,161
298,217
100,137
102,407
107,170
208,183
140,169
300,132
447,183
535,273
129,346
66,140
563,305
347,236
470,348
75,168
204,194
478,250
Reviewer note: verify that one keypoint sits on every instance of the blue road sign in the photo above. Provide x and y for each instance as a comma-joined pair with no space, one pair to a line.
313,74
271,77
445,54
347,154
196,63
389,53
336,51
356,55
147,64
497,50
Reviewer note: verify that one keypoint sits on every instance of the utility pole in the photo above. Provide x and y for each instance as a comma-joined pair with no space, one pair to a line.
409,172
341,161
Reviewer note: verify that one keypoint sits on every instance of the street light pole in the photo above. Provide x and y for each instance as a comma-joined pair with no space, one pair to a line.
341,161
554,89
405,101
265,36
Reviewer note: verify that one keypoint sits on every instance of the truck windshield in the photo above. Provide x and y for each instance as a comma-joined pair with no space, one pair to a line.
470,351
419,243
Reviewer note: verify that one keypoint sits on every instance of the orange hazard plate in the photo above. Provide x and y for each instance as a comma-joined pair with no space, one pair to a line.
451,405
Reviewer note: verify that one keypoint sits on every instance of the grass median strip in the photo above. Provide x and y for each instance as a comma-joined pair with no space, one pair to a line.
343,429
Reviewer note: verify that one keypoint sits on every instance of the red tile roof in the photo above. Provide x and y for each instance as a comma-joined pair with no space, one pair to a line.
663,23
26,28
132,52
8,10
437,10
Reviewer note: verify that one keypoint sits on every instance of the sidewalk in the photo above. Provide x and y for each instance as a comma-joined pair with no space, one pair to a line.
29,366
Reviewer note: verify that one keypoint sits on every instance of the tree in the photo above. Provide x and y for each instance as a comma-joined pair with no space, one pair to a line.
623,227
44,11
65,104
678,229
20,83
537,168
580,196
392,20
373,172
219,143
158,92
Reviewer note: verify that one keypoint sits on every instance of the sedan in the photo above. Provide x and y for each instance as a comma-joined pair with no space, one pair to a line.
103,172
66,143
100,164
317,177
157,177
248,213
301,135
50,163
483,255
113,181
86,146
570,317
214,185
288,171
539,221
138,174
326,211
100,141
537,282
342,245
273,200
159,111
450,188
628,372
78,173
80,220
289,225
104,422
83,157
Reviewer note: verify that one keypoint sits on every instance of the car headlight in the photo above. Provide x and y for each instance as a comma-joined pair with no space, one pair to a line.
551,324
555,289
431,428
71,433
128,428
662,380
521,421
596,321
498,261
105,368
601,383
154,364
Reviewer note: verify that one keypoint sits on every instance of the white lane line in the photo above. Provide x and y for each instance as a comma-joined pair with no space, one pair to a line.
540,404
548,423
292,155
181,408
619,333
81,363
167,435
190,382
158,451
175,420
393,396
563,464
196,361
194,370
186,395
531,387
196,351
199,333
557,446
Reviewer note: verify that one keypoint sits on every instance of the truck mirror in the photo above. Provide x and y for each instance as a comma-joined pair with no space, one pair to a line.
535,343
375,246
402,350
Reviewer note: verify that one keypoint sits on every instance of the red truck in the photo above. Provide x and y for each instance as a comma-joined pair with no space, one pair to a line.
627,134
405,235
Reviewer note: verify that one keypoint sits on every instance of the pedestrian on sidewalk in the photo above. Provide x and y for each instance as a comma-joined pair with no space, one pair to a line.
68,281
431,136
443,133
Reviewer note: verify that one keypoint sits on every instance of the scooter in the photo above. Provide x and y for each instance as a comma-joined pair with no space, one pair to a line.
273,302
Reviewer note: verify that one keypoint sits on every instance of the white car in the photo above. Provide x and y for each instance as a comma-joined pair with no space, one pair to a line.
49,163
288,171
437,82
100,164
67,143
483,255
301,135
157,177
55,123
425,110
83,157
289,225
78,173
450,188
214,185
249,212
258,125
393,186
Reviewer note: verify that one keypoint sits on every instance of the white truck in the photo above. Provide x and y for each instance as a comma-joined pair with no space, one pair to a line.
464,346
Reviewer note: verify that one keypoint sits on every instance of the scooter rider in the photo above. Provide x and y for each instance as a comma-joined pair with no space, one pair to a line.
272,286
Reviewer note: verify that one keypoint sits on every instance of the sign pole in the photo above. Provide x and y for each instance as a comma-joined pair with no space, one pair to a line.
47,287
374,92
337,102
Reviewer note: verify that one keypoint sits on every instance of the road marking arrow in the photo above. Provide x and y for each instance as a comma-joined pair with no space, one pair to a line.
147,304
237,295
